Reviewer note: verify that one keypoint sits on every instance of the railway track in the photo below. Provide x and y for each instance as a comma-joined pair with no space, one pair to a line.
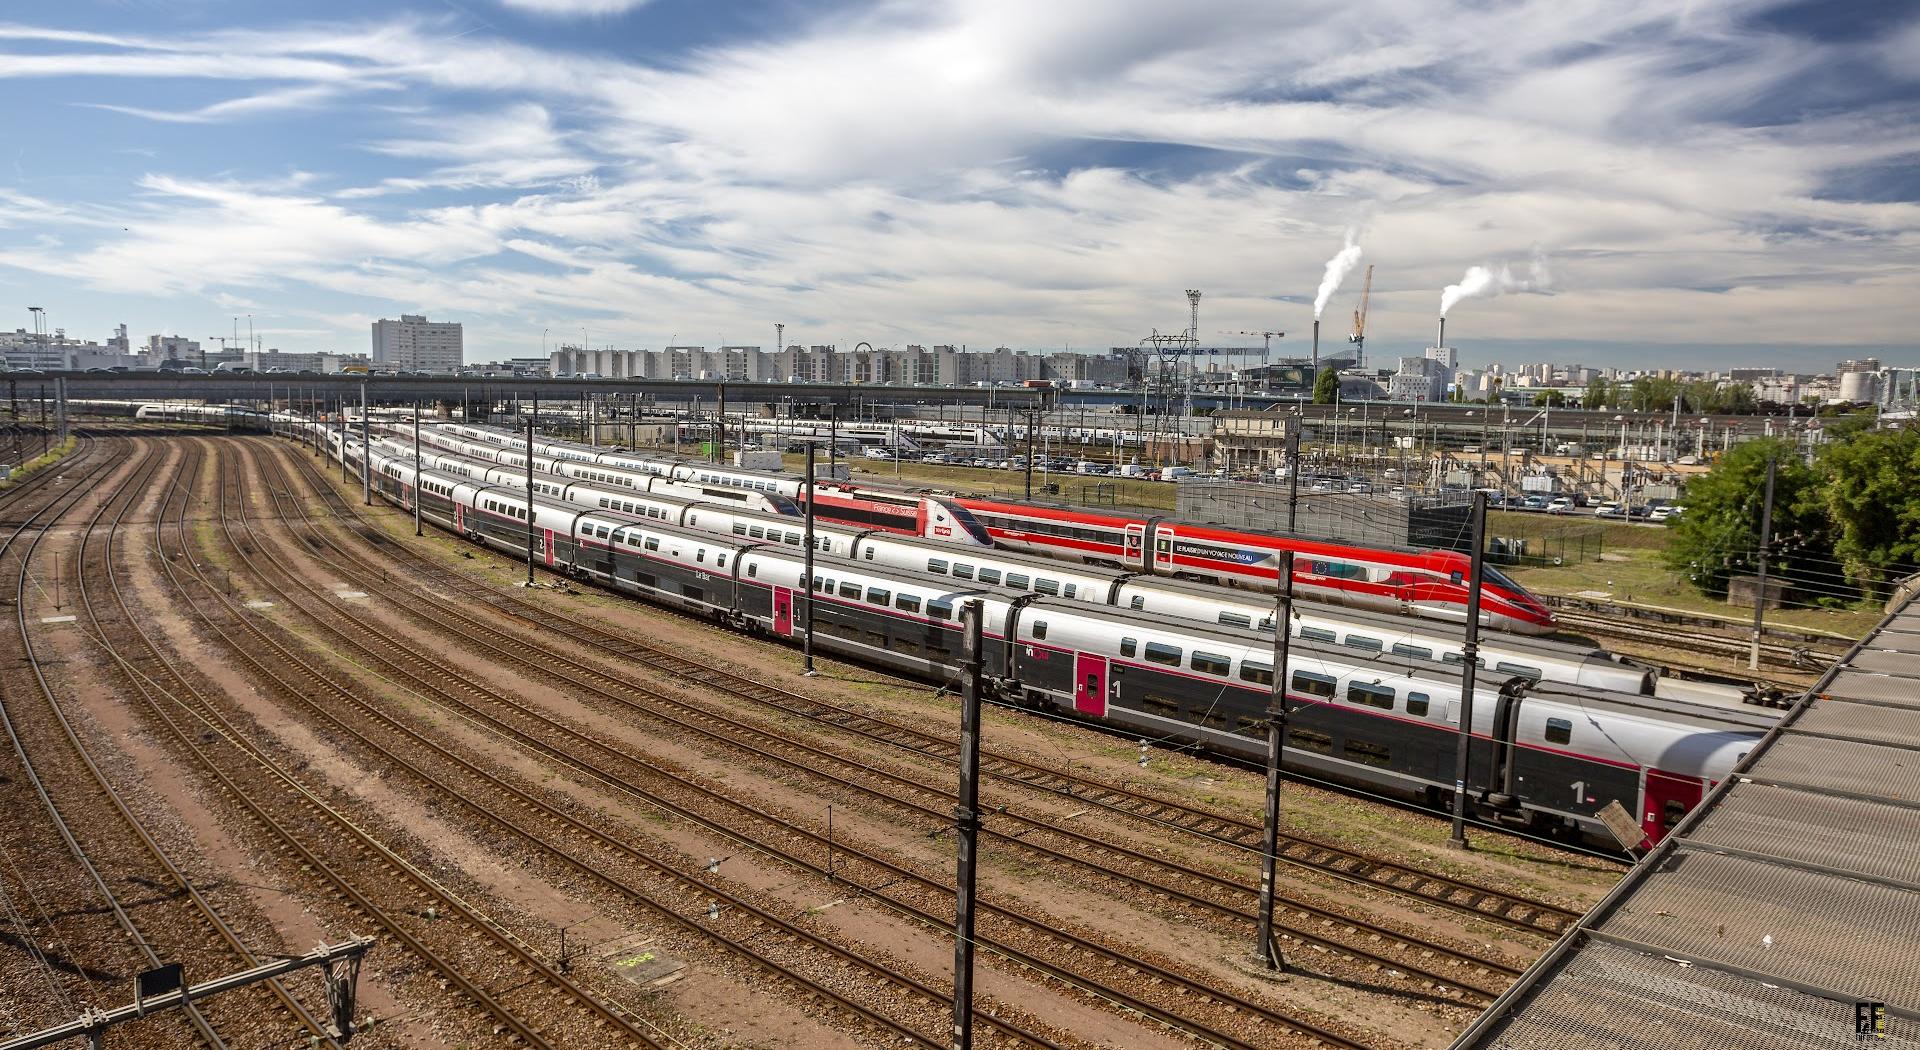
32,527
1797,659
1160,811
1141,872
1023,950
305,818
371,647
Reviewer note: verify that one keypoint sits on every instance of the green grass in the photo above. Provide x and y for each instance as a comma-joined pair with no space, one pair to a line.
38,464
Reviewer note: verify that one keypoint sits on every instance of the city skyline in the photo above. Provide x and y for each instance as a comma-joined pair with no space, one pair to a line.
1722,185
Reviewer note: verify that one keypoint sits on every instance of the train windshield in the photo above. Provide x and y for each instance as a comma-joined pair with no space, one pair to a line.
1495,577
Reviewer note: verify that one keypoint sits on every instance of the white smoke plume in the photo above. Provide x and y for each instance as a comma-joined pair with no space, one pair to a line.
1338,268
1480,282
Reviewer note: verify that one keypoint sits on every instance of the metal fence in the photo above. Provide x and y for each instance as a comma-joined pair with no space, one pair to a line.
1513,543
1404,520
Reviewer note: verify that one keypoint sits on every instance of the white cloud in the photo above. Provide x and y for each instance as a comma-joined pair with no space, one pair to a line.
926,172
574,8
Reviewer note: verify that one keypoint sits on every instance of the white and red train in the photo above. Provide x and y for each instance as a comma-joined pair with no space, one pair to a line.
1544,756
1432,584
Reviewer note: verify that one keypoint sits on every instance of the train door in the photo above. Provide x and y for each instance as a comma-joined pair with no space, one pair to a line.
1136,547
1090,684
1669,798
460,517
782,612
548,542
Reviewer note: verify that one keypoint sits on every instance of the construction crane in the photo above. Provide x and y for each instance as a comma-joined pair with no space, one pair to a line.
1266,342
1359,336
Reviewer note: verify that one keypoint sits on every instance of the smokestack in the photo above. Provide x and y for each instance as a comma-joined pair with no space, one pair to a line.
1316,346
1443,331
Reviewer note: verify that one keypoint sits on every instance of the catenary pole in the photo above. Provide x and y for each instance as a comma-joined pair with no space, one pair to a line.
1469,664
806,584
966,824
366,445
1267,950
1766,553
416,467
535,414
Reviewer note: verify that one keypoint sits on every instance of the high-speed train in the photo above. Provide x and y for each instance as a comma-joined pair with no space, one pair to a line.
1543,756
1503,652
1408,582
913,514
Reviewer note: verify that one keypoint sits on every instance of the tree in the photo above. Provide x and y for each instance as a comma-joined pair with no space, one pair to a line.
1552,398
1719,535
1326,387
1600,393
1870,488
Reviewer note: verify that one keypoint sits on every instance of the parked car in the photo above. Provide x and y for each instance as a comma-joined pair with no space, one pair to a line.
1611,509
1560,505
1535,502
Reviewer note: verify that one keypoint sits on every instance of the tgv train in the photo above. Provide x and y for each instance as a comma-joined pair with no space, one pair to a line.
1418,583
1412,638
1542,756
909,513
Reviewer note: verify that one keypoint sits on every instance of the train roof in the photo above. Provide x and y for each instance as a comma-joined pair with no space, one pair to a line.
1417,670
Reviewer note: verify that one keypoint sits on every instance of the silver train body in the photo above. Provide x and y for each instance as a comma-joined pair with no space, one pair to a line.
1544,756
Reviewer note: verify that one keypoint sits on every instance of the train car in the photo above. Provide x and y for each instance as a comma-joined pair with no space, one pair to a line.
909,514
1501,652
1419,583
1542,757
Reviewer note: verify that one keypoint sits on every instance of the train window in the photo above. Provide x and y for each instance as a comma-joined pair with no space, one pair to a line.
1318,634
1128,647
1458,658
1164,546
1039,629
1139,601
1236,619
1368,753
1070,590
1414,651
1371,695
1308,740
1361,641
940,610
1163,654
794,538
720,561
1160,705
849,590
756,532
1559,731
604,501
963,571
1019,579
1521,670
990,576
868,555
700,555
738,529
1210,663
1417,704
937,565
1259,674
753,570
823,585
1314,684
906,603
1049,587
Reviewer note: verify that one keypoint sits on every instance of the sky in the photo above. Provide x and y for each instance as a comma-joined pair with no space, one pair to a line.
1639,182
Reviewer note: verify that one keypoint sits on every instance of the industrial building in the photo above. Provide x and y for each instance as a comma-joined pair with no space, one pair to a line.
414,343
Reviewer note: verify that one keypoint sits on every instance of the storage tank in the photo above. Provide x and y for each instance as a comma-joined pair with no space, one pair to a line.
1859,386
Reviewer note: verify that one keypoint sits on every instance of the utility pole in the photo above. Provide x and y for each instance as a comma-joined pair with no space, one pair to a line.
416,467
806,584
530,418
966,823
1469,664
1766,552
720,427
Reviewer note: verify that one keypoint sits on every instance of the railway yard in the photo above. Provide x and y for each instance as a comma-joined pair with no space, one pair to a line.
250,711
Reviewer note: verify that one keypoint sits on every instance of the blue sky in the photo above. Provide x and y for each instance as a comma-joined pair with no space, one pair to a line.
1638,182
